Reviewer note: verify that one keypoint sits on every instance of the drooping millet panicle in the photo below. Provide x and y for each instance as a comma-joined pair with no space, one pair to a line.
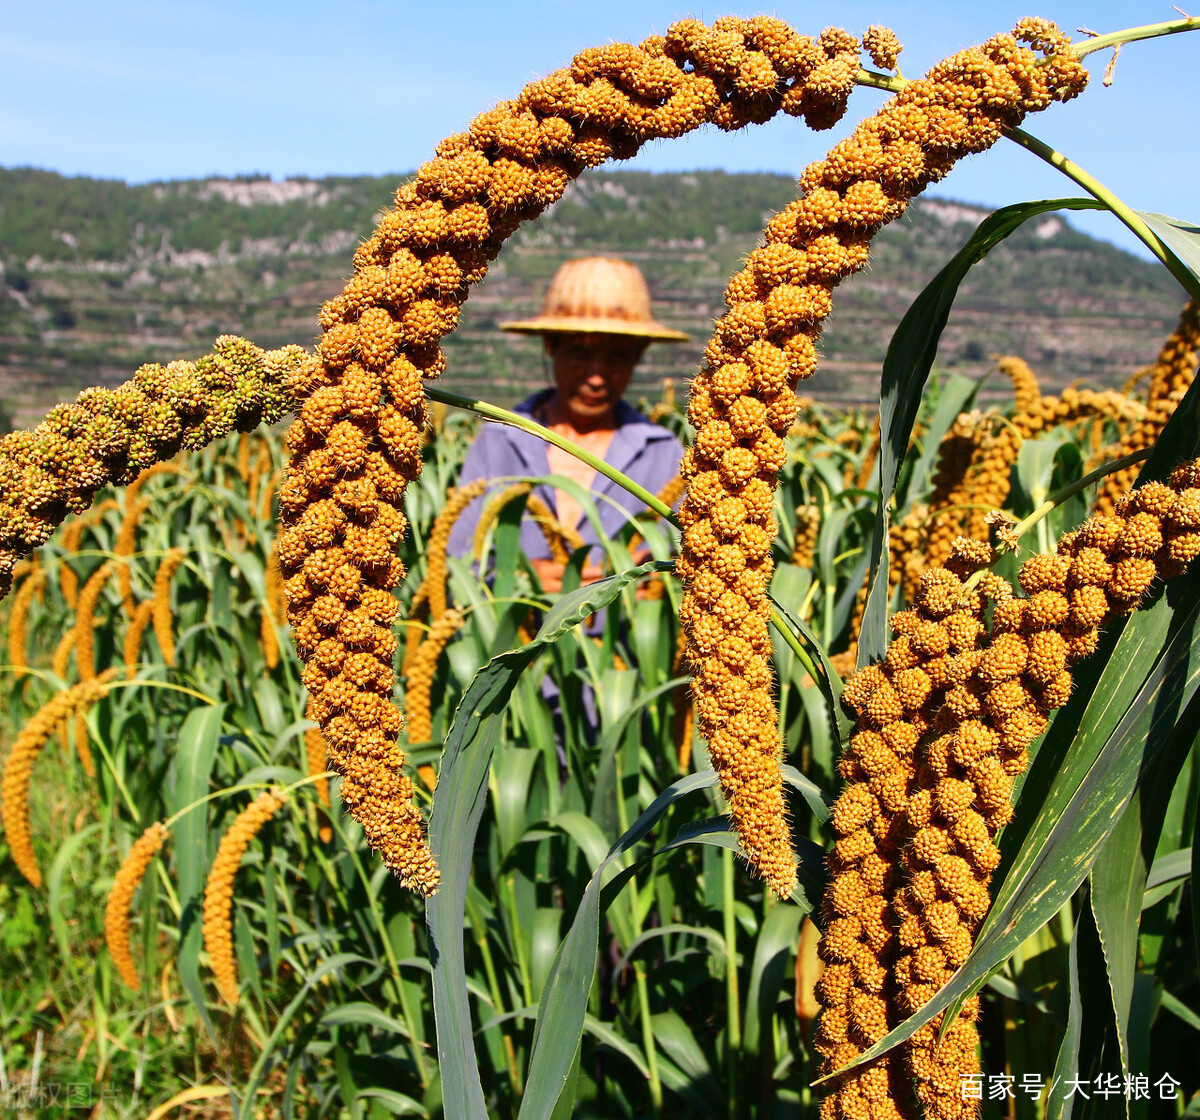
124,548
491,511
132,645
60,662
116,910
314,756
435,553
808,525
68,581
218,890
19,616
934,647
18,769
273,587
134,489
672,491
742,401
357,441
984,704
161,607
1024,673
561,539
414,629
70,542
243,458
418,687
1170,377
111,436
259,473
85,620
975,463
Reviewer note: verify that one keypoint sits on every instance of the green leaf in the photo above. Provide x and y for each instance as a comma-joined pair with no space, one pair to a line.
906,367
1196,878
675,1039
564,998
358,1012
1180,1010
195,755
63,860
1170,869
957,396
773,948
302,999
397,1102
828,680
1035,468
1121,873
1066,1066
458,807
1182,237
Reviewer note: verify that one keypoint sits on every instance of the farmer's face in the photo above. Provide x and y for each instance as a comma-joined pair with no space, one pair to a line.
592,371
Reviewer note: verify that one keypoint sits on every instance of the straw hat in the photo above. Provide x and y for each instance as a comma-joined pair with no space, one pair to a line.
598,295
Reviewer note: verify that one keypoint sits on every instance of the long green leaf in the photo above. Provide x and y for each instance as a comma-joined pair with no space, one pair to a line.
195,755
828,679
773,947
564,998
1182,237
906,367
1121,873
466,762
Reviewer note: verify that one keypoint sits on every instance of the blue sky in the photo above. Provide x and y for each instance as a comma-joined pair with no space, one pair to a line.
151,90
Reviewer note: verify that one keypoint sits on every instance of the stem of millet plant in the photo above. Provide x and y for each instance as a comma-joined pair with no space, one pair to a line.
1124,212
1132,34
528,424
733,1011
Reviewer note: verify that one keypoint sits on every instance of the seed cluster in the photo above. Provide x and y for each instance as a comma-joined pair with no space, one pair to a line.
161,610
419,686
808,525
896,704
1170,377
742,402
14,794
32,585
116,910
970,703
111,436
356,443
218,890
975,462
439,537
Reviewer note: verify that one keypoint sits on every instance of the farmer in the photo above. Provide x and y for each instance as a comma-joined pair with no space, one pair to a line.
595,325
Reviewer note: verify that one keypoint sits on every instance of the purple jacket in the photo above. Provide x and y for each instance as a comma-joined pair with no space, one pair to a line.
646,452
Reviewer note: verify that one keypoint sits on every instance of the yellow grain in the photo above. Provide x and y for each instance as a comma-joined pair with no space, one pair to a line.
19,617
420,678
85,657
439,536
18,770
161,612
116,910
218,890
133,637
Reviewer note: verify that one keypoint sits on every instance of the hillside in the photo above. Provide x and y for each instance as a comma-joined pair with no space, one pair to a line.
97,276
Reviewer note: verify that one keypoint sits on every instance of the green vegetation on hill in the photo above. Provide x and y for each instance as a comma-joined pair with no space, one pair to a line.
97,276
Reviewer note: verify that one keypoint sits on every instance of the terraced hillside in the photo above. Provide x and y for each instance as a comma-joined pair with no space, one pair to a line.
97,276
